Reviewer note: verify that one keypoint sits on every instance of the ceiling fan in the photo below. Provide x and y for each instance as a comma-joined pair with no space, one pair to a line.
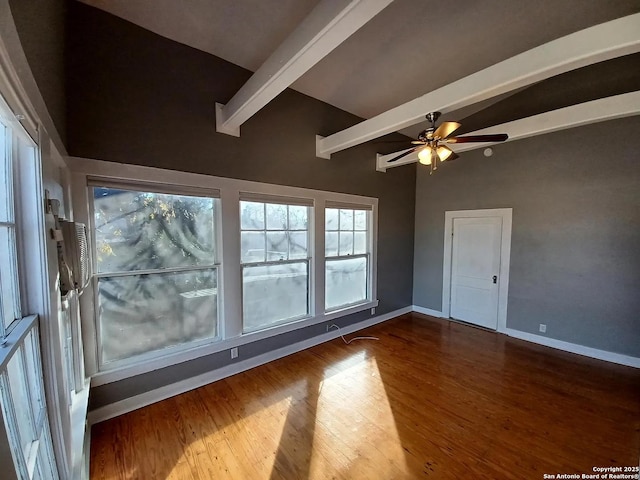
431,142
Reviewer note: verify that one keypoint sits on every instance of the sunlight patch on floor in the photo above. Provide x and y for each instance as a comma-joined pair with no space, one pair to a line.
261,424
356,382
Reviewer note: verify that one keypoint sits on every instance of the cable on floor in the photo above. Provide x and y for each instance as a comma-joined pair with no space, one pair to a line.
354,338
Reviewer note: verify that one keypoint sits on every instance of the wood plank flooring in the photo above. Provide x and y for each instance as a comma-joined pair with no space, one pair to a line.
431,399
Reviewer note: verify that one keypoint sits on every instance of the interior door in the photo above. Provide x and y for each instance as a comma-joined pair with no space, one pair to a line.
475,267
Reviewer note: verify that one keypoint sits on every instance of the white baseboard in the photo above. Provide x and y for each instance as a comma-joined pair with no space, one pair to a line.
553,343
138,401
427,311
574,348
147,398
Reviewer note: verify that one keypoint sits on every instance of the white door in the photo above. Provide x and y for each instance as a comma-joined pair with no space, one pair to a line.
475,268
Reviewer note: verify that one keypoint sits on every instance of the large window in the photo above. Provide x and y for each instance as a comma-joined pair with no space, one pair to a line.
347,256
157,274
167,291
275,263
23,414
9,300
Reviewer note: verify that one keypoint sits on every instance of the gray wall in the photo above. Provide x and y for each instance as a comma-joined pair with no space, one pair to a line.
575,255
135,97
41,28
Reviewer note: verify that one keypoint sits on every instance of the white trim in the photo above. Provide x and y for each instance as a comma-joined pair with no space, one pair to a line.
505,256
601,110
319,154
592,45
138,401
185,354
575,348
230,321
549,342
428,311
78,430
329,24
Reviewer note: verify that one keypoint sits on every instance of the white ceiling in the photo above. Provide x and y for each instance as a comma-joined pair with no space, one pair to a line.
412,47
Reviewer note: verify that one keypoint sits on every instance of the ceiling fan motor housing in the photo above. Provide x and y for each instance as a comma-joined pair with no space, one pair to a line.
433,117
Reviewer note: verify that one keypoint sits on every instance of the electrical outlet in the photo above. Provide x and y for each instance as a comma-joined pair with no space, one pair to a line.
373,311
234,352
543,328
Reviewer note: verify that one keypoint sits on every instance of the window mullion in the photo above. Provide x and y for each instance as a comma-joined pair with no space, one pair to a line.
318,281
266,242
231,270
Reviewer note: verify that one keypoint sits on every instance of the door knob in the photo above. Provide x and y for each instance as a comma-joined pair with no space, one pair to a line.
495,279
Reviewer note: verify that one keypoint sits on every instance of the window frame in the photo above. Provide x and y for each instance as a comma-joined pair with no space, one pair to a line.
366,255
308,260
231,191
145,187
21,157
8,158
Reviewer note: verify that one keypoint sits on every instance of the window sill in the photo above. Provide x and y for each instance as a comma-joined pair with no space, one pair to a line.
191,353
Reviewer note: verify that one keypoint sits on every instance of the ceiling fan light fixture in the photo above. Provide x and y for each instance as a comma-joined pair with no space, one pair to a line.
424,156
443,152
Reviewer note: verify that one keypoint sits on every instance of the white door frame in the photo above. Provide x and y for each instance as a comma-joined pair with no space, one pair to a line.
505,255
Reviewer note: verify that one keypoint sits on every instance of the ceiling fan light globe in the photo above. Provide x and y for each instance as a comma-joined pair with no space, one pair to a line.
424,156
443,153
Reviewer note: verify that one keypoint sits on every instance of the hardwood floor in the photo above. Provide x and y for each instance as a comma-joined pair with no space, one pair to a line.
430,399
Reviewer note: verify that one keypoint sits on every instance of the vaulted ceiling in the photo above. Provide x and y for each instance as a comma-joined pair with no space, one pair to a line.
410,48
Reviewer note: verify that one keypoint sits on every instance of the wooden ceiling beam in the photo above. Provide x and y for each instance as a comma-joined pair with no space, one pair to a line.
592,45
603,109
329,24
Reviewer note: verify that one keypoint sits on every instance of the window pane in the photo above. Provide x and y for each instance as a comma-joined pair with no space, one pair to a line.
20,399
359,242
277,246
45,460
298,245
360,220
274,294
8,279
251,215
252,248
298,217
346,243
142,230
144,313
346,219
32,359
331,218
276,217
331,244
6,183
346,282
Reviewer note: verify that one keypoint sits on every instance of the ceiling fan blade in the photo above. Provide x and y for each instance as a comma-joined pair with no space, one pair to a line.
446,129
419,142
452,157
404,154
498,137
